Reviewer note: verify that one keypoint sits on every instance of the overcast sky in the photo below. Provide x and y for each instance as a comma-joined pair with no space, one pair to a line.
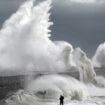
80,22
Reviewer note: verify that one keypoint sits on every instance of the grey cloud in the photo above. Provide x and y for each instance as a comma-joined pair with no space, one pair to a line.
80,25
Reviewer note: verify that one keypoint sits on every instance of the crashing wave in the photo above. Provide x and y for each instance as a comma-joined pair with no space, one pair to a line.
86,69
52,86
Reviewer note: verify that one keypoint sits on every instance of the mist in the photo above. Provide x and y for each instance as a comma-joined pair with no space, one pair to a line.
99,56
25,43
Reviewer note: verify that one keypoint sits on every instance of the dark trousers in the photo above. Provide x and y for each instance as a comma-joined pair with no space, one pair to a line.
61,103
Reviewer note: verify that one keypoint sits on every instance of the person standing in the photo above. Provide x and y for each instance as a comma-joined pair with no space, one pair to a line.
61,100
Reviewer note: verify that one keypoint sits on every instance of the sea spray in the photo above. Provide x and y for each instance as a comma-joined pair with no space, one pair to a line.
25,45
57,85
84,64
86,69
99,56
48,90
66,51
99,81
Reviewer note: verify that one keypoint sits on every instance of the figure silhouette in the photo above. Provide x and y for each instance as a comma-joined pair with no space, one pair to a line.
61,100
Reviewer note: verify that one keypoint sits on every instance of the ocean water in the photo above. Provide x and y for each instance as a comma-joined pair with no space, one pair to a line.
30,99
47,91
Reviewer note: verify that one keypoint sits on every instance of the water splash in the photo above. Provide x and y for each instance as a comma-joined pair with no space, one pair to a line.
87,72
57,85
86,69
99,57
25,44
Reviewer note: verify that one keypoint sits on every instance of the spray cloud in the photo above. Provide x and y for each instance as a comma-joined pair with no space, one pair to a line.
25,44
99,57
